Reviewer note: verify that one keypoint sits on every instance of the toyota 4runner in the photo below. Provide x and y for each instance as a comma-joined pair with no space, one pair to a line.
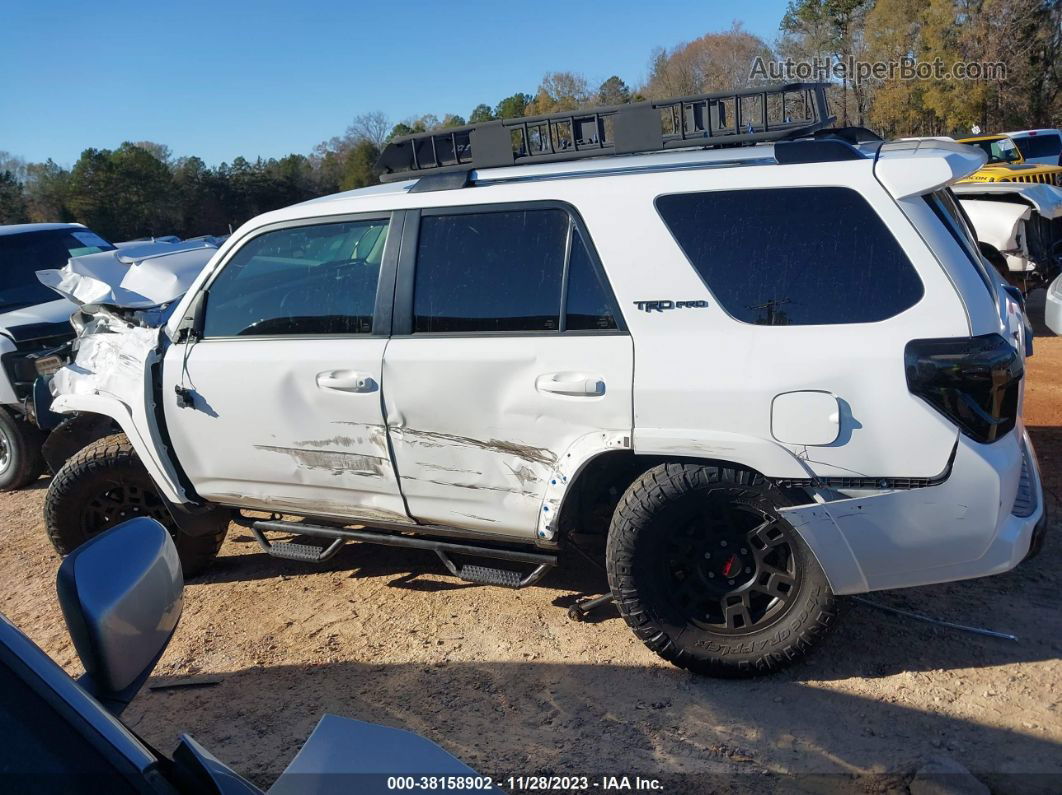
762,356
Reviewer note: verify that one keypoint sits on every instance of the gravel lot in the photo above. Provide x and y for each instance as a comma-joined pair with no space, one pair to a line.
504,680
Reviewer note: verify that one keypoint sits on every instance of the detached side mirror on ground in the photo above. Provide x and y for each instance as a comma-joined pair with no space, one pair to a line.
121,596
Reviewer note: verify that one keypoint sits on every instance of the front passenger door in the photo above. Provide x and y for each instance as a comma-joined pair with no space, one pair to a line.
284,385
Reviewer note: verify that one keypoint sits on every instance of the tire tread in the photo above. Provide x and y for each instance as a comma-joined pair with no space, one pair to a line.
99,460
651,491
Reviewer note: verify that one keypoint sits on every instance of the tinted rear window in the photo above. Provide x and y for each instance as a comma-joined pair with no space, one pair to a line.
793,256
1042,145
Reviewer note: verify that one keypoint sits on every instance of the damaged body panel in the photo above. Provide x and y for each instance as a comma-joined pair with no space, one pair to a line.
111,376
261,430
123,298
483,435
138,277
969,526
1019,226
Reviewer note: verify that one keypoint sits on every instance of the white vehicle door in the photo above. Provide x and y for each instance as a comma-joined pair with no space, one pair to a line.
278,405
508,355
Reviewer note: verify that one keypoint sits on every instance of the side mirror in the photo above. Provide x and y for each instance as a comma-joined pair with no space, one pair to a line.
121,594
191,324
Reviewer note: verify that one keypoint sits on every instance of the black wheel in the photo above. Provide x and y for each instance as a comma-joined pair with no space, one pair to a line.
21,461
105,484
710,576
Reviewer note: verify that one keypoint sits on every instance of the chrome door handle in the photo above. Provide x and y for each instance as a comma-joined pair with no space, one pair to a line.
347,381
573,384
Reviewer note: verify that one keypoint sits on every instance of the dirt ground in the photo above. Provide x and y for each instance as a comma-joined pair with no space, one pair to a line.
505,681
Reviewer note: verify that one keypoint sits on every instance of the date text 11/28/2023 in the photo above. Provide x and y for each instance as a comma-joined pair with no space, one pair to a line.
524,784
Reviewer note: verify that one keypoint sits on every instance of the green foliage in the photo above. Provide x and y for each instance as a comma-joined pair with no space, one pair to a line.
481,113
359,166
13,209
122,193
46,192
513,107
613,92
401,129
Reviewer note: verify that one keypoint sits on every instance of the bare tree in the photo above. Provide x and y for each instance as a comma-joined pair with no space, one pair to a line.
13,163
559,91
372,127
714,62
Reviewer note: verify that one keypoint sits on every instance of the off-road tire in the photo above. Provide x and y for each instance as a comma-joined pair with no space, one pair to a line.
21,461
673,508
105,484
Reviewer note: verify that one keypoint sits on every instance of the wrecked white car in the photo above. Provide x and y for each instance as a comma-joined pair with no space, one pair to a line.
827,398
1019,229
129,287
35,323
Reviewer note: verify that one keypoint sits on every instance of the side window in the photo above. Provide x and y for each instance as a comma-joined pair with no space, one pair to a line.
588,306
318,279
490,271
1043,145
793,256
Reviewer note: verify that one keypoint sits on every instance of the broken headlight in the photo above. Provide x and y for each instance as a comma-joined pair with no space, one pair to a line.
49,362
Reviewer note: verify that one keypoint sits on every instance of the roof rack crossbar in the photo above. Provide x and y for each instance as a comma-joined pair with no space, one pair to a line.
700,120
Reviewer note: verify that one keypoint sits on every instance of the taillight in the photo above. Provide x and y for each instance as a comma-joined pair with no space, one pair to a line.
974,381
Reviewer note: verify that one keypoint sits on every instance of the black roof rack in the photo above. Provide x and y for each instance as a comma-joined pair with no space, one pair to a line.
729,118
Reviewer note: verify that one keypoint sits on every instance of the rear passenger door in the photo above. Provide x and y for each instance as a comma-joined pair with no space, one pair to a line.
507,350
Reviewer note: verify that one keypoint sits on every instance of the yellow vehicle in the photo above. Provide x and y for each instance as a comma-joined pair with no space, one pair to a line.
1006,164
1025,172
999,148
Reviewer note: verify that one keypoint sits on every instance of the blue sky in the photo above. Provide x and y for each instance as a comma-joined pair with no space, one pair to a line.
221,79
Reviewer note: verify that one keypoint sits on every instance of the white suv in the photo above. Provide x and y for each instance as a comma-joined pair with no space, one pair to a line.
772,373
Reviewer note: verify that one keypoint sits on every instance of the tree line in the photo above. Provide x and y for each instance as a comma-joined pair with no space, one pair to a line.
141,188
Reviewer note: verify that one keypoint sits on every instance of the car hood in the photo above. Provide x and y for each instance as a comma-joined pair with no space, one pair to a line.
1046,199
137,277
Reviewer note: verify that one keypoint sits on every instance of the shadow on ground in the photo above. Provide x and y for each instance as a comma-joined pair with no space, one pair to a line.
866,643
520,719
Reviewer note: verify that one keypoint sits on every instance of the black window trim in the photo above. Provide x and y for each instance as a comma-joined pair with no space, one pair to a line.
385,287
402,319
718,303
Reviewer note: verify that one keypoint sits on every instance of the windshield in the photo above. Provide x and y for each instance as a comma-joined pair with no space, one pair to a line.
22,254
1002,150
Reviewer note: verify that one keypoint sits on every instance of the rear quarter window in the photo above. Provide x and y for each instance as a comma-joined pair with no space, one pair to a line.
793,256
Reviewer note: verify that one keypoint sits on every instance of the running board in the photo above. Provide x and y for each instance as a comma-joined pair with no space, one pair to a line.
483,575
